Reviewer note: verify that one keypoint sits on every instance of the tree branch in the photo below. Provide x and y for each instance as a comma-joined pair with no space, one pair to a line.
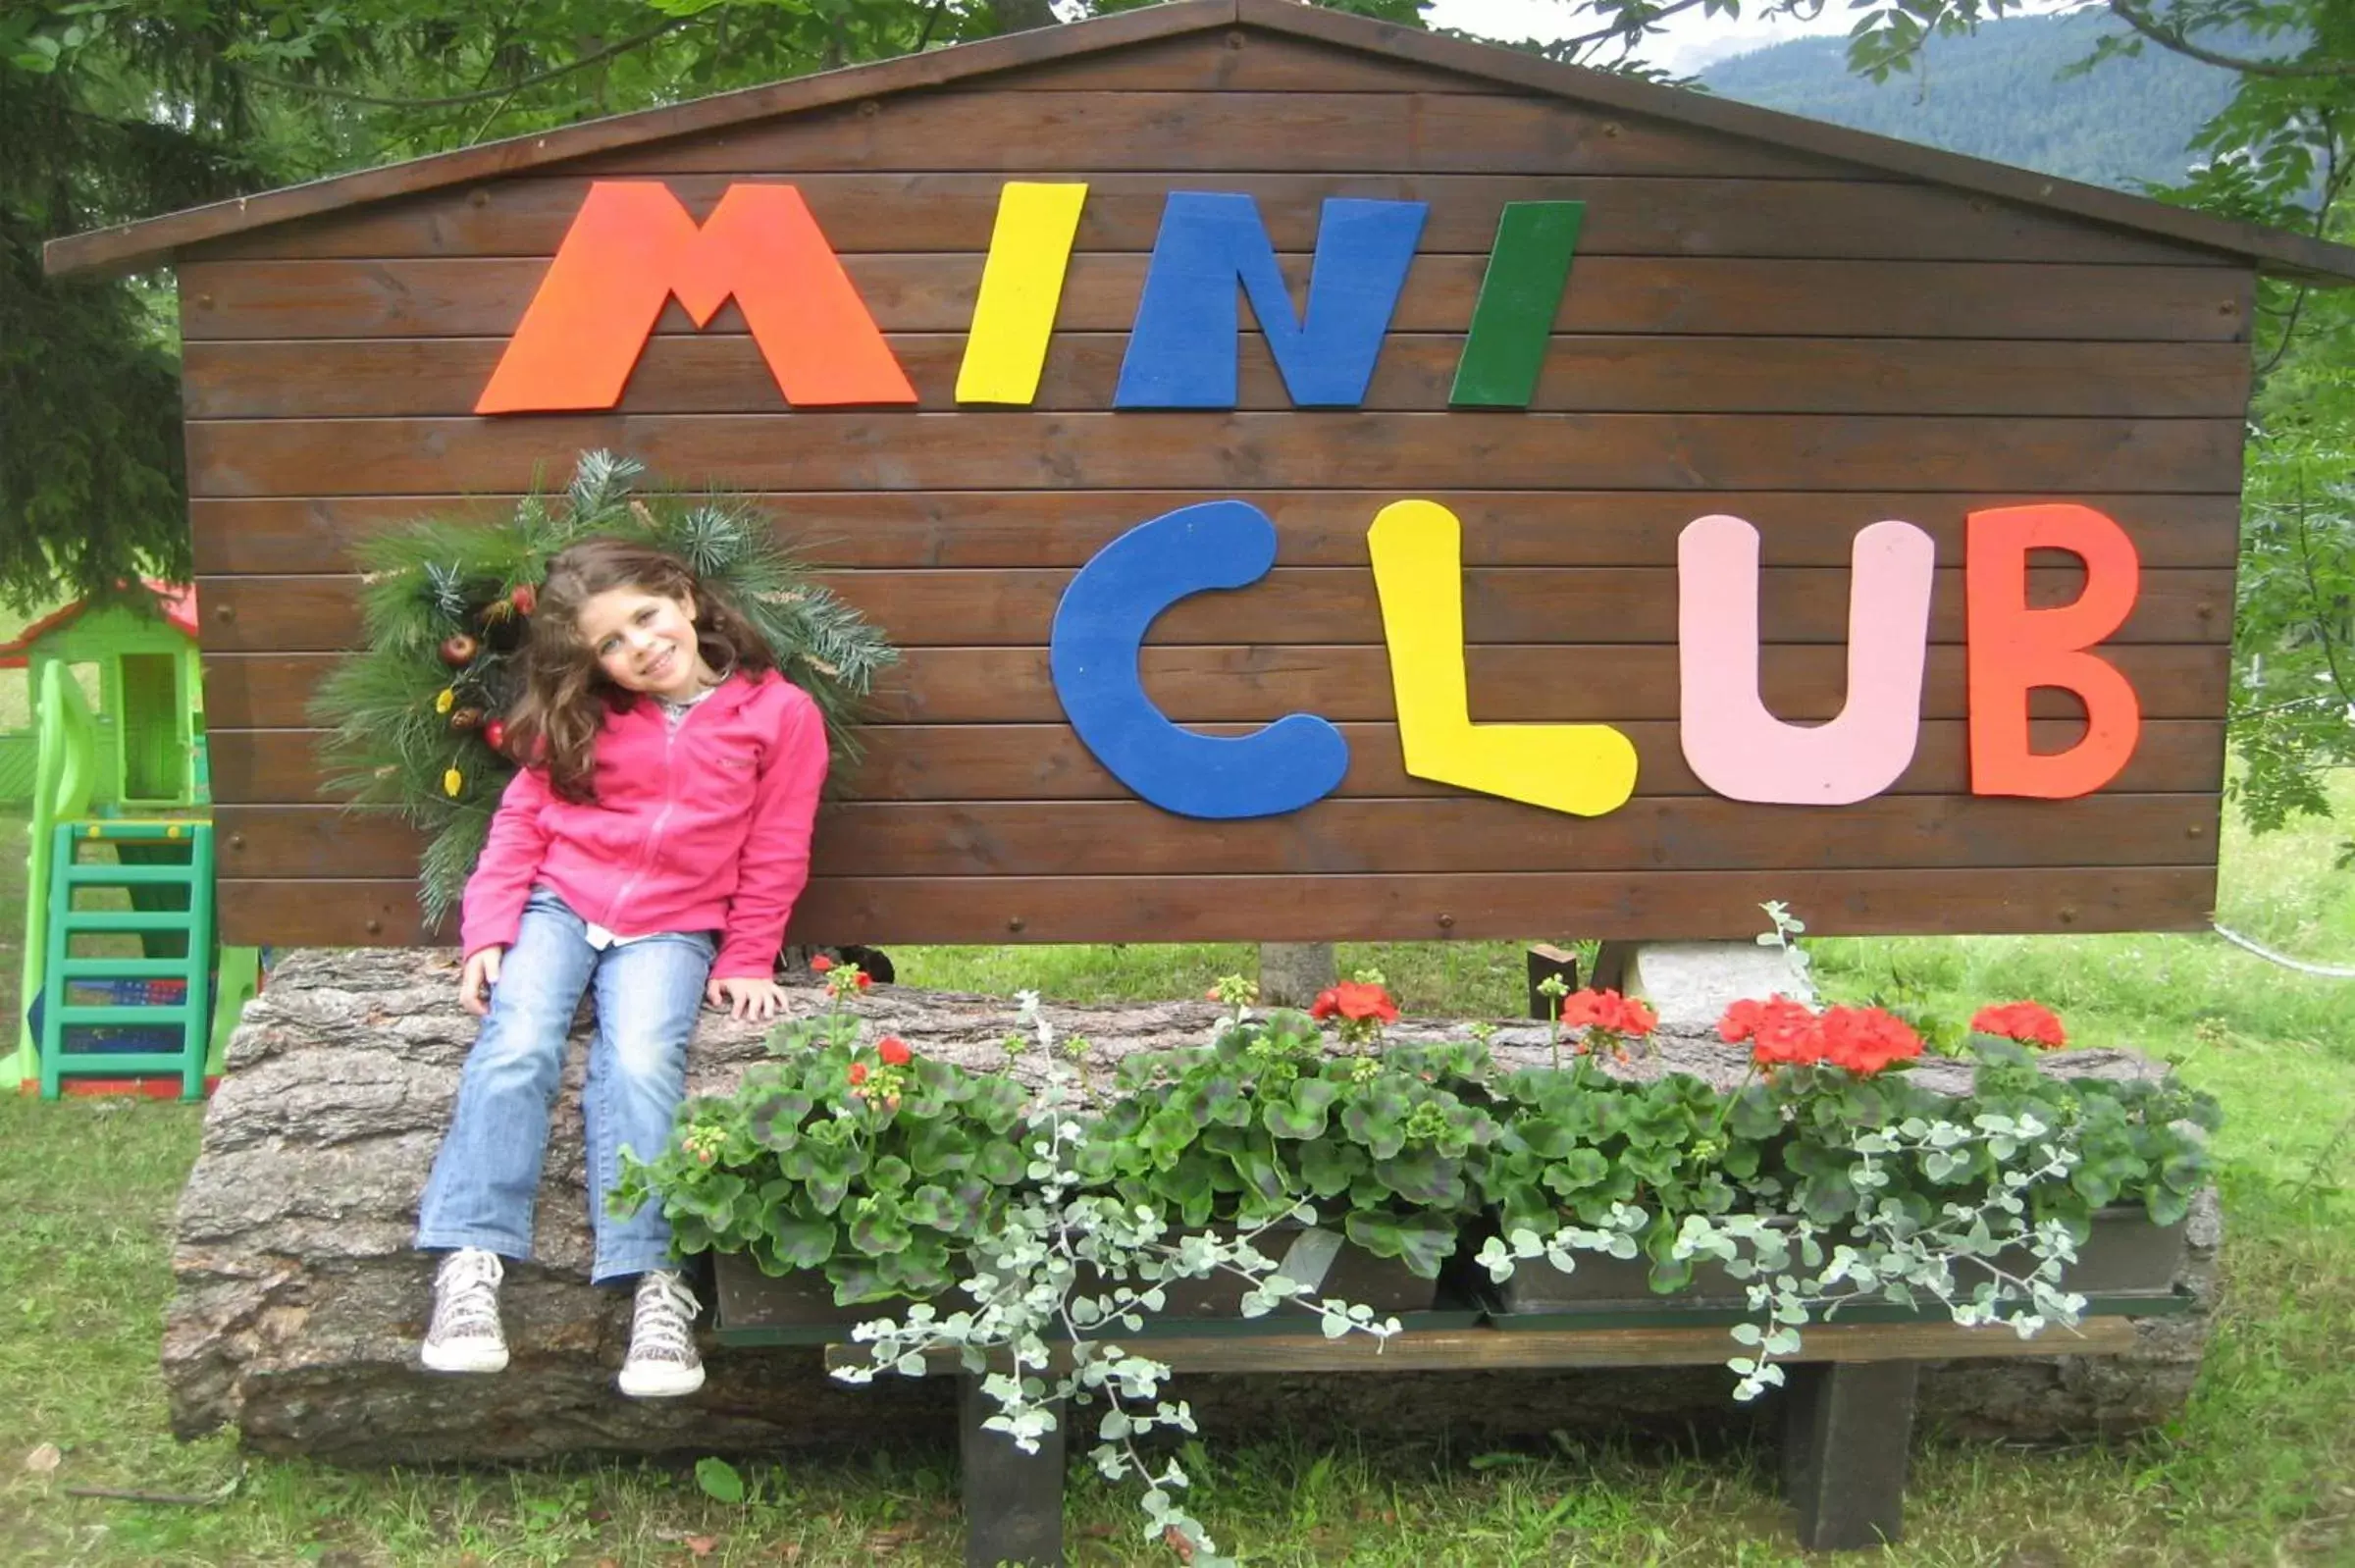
2166,38
1632,35
458,99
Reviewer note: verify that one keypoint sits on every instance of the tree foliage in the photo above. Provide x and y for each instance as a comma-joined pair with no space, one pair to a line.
89,393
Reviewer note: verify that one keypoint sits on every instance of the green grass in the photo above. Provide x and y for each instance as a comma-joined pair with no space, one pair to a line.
2260,1469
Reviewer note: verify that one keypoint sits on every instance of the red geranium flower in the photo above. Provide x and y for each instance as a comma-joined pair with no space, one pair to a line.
858,1072
1578,1010
1865,1039
1610,1013
821,965
862,979
1779,1029
893,1050
1607,1010
1356,1001
2028,1022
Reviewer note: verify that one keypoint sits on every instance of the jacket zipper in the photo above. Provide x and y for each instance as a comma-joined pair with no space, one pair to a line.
654,835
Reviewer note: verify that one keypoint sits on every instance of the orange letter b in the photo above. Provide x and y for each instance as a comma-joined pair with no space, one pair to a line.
634,245
2015,649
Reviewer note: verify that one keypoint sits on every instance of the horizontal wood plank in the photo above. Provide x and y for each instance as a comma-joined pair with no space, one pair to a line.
1687,905
1458,833
718,374
1048,761
1486,1350
1509,683
1414,453
1315,528
486,298
1294,604
1626,216
1225,132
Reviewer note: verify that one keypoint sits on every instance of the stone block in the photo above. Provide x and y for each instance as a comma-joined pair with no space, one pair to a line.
1690,984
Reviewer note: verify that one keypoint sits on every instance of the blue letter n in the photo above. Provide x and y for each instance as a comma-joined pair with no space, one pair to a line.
1182,351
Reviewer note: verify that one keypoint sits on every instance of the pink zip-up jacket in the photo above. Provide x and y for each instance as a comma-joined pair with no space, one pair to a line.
705,827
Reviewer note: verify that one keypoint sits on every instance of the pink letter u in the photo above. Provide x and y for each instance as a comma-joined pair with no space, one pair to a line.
1734,744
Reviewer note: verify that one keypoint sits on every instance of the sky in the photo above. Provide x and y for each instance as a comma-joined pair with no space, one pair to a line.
1686,42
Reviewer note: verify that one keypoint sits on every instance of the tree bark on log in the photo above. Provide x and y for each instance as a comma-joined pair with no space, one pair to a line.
298,1303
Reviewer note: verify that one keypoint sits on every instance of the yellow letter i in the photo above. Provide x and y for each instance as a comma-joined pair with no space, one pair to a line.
1022,285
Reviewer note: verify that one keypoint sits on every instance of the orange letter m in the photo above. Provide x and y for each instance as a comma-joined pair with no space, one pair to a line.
634,245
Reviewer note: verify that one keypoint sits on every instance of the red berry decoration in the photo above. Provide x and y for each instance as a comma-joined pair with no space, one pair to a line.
494,735
459,649
523,598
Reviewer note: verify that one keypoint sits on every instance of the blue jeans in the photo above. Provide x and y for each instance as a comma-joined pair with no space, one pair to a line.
487,1173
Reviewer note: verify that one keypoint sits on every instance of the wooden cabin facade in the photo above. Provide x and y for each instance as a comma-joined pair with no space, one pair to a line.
1811,330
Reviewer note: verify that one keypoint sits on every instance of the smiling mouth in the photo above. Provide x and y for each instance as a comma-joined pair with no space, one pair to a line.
657,666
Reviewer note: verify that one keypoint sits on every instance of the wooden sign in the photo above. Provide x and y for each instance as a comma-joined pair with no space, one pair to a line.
1326,485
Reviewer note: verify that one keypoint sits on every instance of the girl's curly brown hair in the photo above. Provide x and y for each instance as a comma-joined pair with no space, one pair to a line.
567,695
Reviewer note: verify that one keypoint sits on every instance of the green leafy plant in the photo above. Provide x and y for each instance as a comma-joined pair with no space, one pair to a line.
1828,1176
870,1163
1243,1130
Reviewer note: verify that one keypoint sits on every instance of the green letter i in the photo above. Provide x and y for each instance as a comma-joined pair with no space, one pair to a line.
1528,270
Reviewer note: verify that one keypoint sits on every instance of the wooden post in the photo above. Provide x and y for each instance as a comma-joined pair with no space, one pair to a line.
1013,1501
1610,965
1845,1426
1544,963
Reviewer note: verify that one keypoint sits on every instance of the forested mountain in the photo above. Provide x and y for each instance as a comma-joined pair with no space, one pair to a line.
2000,94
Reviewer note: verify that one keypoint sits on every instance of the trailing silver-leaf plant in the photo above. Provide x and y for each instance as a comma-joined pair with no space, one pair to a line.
1068,1267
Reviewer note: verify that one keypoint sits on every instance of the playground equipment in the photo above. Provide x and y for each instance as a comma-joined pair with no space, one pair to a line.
121,800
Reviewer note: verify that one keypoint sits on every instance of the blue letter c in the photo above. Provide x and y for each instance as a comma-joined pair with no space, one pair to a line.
1099,628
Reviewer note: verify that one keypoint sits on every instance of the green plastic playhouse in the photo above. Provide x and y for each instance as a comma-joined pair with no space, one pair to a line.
140,996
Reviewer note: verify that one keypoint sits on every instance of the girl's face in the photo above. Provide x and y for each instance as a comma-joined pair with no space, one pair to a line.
644,642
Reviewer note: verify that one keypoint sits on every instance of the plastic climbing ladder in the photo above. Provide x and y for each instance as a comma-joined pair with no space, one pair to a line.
156,1015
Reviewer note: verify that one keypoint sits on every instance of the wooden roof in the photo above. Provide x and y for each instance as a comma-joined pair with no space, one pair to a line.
156,241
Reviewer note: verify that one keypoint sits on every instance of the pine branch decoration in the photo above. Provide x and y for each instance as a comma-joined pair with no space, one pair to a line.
448,585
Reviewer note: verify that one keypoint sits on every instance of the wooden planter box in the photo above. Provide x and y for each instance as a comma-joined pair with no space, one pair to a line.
1353,1276
751,1307
748,1307
2125,1256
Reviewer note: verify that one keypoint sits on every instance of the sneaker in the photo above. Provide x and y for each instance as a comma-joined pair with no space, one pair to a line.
465,1336
662,1362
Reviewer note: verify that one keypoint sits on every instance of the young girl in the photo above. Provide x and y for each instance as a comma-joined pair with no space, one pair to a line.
650,852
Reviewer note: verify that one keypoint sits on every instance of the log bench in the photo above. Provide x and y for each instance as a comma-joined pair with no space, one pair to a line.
1847,1407
297,1300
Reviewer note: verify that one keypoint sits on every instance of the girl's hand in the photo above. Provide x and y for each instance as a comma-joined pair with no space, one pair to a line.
745,998
477,979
